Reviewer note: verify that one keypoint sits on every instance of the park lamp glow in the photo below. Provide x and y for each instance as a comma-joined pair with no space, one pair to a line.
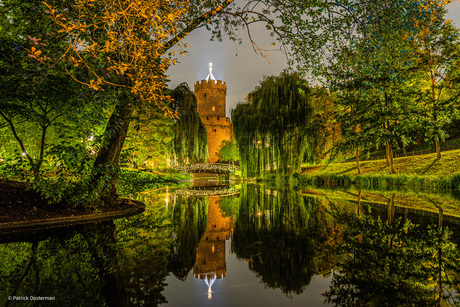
1,160
23,153
91,138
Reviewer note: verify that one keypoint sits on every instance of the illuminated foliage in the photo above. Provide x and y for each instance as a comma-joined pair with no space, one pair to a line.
122,43
44,116
277,126
190,143
229,151
438,49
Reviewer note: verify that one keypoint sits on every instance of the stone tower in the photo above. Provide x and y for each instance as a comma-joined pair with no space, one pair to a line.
210,94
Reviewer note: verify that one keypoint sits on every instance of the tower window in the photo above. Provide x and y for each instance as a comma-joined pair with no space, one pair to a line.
214,130
207,118
217,117
213,108
198,109
204,94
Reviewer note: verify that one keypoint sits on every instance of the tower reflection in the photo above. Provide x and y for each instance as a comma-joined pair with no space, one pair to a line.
210,261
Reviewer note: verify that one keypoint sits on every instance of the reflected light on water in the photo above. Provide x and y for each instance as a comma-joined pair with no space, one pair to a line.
209,283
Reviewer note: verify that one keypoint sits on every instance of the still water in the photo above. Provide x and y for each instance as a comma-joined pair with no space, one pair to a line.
248,245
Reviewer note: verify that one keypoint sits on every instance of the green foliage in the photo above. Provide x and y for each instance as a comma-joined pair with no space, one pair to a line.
144,244
229,206
392,263
72,267
279,233
392,65
148,140
189,218
133,181
81,190
229,151
272,129
190,143
398,182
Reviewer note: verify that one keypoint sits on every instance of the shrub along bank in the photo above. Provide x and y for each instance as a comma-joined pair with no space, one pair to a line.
418,172
133,181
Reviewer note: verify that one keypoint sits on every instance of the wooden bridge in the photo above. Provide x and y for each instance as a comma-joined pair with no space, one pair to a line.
207,168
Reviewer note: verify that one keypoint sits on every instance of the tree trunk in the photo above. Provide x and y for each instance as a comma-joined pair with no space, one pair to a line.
391,219
357,161
404,150
391,210
114,138
438,147
387,155
390,157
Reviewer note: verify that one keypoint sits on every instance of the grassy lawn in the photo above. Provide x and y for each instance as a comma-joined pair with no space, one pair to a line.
423,165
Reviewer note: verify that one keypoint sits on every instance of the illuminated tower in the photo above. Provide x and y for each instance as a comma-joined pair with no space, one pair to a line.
210,94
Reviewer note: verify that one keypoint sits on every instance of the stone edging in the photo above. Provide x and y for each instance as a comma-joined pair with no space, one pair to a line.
15,228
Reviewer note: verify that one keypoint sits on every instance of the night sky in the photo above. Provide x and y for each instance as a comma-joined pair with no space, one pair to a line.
238,65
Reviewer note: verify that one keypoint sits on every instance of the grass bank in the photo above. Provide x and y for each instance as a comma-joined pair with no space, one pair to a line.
414,201
133,180
418,172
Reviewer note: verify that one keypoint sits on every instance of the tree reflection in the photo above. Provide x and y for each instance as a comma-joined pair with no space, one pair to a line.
144,244
78,267
277,232
394,263
189,216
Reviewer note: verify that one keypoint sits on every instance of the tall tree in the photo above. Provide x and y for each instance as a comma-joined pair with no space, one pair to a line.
439,59
272,129
368,56
127,44
38,103
190,143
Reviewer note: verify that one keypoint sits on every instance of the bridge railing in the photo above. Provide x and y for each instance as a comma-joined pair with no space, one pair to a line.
218,192
221,167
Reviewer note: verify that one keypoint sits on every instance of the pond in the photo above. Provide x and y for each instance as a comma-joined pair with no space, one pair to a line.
247,245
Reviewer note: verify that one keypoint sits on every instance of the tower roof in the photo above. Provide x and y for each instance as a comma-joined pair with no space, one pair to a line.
210,76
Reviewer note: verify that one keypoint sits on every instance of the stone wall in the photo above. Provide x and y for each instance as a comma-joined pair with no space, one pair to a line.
210,97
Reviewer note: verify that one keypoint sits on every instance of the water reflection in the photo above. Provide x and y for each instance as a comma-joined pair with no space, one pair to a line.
276,245
78,267
189,217
284,236
210,261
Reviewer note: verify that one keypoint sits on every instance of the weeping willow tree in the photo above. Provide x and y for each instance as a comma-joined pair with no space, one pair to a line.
190,143
272,129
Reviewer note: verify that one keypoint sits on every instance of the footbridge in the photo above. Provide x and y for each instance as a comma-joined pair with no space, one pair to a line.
208,168
208,192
